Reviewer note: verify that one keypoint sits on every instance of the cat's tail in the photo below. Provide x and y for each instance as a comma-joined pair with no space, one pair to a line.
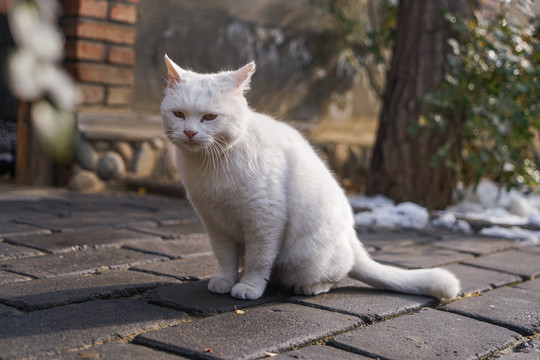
438,282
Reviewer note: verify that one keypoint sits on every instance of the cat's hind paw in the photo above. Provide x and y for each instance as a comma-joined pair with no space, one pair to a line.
220,285
244,291
313,289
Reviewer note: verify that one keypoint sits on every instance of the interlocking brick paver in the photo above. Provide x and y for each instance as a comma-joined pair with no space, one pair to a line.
532,285
116,351
9,277
44,293
319,352
268,328
73,326
428,334
173,231
419,256
195,244
190,268
478,245
78,262
528,350
8,310
383,239
194,297
531,249
9,228
9,251
474,279
69,241
370,305
513,308
516,262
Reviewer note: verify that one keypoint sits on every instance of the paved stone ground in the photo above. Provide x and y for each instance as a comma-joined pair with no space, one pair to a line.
124,276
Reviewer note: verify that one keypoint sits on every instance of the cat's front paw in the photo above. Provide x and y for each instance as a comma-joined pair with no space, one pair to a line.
246,292
220,285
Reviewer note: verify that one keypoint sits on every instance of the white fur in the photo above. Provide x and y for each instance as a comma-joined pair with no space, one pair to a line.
263,194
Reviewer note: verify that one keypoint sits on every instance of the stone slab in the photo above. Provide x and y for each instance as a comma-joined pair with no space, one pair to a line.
8,310
73,326
8,228
173,231
268,328
380,240
80,240
78,262
531,249
428,334
7,277
191,268
194,297
532,285
513,308
528,350
474,279
45,293
477,245
419,256
368,304
9,251
191,245
319,352
116,351
515,262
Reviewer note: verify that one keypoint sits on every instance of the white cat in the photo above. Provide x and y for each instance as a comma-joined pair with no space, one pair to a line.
264,195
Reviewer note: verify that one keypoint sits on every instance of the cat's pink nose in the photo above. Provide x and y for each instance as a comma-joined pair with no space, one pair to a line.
190,134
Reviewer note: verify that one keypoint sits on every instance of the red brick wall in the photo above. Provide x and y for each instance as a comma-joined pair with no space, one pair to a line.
100,39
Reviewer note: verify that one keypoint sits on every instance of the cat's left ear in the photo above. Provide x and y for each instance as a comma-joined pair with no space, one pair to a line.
242,76
174,76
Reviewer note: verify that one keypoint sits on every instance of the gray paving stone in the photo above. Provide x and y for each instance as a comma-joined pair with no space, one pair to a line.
190,245
8,228
8,310
381,240
369,305
474,279
268,328
514,308
319,352
531,285
69,241
478,245
72,326
191,268
528,350
418,256
428,334
7,277
173,231
531,249
9,251
194,297
77,262
116,351
45,293
515,262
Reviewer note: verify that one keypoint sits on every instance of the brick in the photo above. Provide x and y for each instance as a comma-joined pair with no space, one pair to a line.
380,240
116,351
123,13
85,50
90,8
532,285
528,350
194,297
474,279
174,230
119,96
69,241
101,74
268,328
193,245
516,262
367,304
513,308
9,251
40,294
477,245
9,228
7,277
91,94
319,352
192,268
418,256
428,334
121,55
74,326
8,310
77,262
87,29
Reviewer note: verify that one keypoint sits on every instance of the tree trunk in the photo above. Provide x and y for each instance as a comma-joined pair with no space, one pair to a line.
400,166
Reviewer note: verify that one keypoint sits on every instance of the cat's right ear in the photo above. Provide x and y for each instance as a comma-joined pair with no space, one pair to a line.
174,77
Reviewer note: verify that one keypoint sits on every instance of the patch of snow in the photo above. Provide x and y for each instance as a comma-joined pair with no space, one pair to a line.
531,237
370,202
407,215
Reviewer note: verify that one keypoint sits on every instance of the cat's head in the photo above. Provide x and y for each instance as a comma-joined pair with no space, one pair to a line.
200,110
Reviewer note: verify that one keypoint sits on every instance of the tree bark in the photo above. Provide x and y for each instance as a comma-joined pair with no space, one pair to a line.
400,166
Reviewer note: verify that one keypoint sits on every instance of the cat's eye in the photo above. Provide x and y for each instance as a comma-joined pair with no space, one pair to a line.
179,114
209,117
